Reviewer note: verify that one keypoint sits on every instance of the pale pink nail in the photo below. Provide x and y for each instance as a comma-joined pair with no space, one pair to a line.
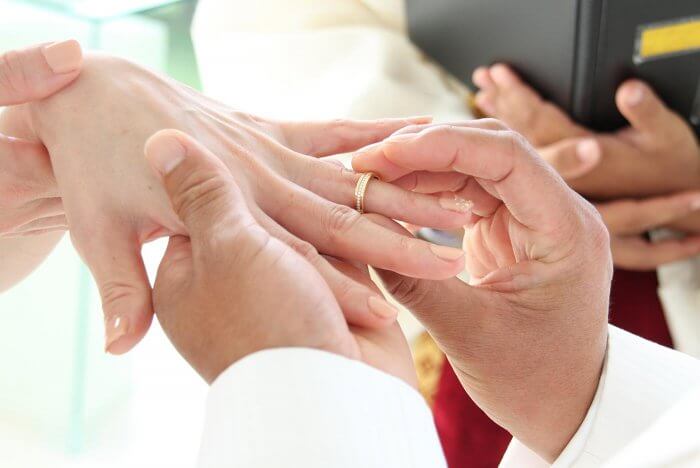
115,328
455,203
165,152
446,253
63,57
636,95
588,151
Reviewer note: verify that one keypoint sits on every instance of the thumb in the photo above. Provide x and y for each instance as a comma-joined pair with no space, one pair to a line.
201,188
573,157
113,254
643,109
38,72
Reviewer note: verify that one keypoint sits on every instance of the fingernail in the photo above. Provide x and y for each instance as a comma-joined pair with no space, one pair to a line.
63,57
115,329
455,203
165,153
588,151
446,253
635,95
381,308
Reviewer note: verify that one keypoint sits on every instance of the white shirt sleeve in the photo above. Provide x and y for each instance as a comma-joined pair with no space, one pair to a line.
296,407
641,382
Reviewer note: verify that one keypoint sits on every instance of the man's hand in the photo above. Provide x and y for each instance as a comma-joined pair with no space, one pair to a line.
29,200
527,338
657,154
231,289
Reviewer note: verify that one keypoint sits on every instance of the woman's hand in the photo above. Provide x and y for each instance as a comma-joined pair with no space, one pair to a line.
31,211
95,132
231,289
527,338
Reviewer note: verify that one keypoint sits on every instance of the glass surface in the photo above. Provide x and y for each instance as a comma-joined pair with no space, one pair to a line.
63,401
101,9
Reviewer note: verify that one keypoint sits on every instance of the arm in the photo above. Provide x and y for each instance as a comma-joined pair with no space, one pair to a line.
31,214
346,58
306,408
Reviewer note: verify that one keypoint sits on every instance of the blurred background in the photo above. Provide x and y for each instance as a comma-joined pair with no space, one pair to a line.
63,401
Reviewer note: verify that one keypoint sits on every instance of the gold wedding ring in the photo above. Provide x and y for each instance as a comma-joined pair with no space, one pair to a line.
360,190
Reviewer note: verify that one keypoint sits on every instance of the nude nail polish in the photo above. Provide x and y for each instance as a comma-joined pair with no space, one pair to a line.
115,329
446,253
455,203
63,57
381,308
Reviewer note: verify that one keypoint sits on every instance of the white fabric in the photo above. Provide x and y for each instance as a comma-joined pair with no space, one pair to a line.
303,408
297,407
351,58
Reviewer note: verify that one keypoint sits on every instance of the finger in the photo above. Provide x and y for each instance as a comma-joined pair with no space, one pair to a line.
501,160
636,253
58,222
342,232
341,136
113,254
200,187
625,217
482,78
643,109
361,305
573,157
337,184
38,72
431,182
371,159
27,164
32,211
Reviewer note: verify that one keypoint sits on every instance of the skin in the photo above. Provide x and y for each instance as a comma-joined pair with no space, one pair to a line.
31,211
95,130
527,337
650,169
229,288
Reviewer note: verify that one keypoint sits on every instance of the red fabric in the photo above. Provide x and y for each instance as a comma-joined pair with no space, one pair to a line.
470,439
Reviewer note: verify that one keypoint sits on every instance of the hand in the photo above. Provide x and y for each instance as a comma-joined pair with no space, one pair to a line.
527,337
232,289
95,132
30,203
657,154
629,220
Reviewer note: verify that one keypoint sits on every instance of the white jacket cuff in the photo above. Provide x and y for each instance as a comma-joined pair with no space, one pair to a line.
299,407
640,382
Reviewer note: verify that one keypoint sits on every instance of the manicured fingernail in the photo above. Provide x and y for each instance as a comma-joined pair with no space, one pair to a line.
446,253
588,151
635,95
455,203
381,308
63,57
116,328
165,153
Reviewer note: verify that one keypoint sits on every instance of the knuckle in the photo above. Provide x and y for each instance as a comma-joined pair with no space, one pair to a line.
198,190
114,291
339,220
304,249
409,292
